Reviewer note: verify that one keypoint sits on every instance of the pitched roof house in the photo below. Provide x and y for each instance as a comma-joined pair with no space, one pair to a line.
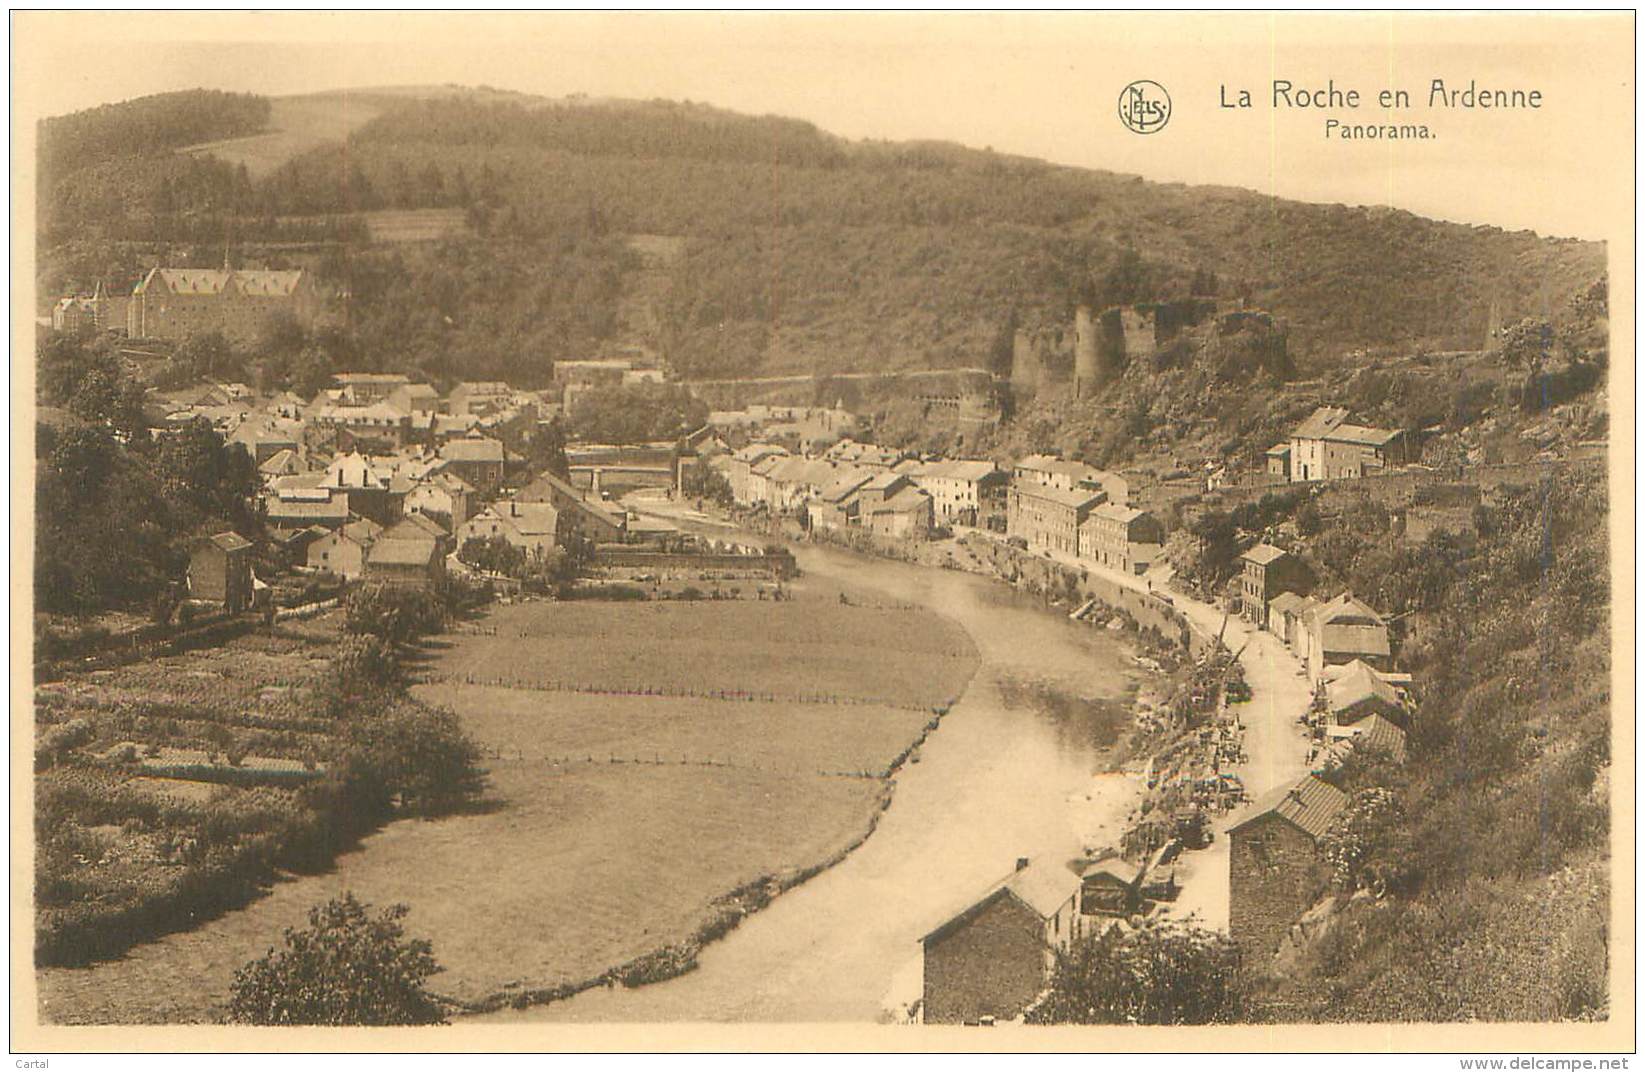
591,518
479,460
532,527
1342,630
1356,690
343,552
1325,447
1275,869
298,508
411,559
993,957
219,570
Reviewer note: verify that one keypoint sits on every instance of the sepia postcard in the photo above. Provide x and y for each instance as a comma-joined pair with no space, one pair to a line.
797,531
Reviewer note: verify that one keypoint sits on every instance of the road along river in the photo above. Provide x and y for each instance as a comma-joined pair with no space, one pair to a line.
1020,767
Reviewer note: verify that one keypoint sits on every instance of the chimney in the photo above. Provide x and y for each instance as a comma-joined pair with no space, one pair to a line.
1022,862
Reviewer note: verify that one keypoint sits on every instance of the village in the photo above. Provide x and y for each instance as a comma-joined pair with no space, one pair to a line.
379,480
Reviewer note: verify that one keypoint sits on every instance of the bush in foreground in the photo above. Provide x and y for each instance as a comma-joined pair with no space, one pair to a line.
347,968
1169,973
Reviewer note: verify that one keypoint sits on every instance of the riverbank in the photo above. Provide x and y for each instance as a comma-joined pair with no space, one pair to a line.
1024,765
1273,746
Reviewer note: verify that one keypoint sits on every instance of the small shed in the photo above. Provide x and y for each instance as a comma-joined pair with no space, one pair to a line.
1110,887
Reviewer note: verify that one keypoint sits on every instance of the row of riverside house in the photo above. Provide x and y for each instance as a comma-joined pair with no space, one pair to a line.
858,486
1042,504
1276,868
992,958
1070,508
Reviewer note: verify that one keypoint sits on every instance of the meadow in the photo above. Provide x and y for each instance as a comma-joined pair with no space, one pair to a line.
576,871
627,821
564,727
808,650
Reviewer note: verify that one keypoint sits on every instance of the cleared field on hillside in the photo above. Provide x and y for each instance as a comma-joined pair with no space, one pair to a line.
784,650
296,125
415,225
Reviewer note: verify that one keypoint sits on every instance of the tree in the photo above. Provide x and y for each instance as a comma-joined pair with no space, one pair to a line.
1526,345
197,468
281,335
310,371
395,615
637,413
417,755
1164,973
347,967
494,555
87,380
364,667
546,450
1369,845
208,356
1215,531
1126,281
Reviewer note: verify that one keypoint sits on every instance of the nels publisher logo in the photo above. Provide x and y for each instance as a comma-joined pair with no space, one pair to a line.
1145,106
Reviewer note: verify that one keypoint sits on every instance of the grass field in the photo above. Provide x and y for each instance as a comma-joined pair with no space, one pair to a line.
620,823
795,738
575,873
797,649
296,125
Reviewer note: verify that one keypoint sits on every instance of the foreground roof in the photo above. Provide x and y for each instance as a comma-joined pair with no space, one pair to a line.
1044,886
1311,805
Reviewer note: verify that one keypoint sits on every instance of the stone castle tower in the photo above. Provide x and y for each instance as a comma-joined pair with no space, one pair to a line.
1026,367
1087,372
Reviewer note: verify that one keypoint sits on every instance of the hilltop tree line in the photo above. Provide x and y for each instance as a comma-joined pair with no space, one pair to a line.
803,250
146,126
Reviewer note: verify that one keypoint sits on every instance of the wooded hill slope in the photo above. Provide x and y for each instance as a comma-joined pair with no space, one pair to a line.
805,252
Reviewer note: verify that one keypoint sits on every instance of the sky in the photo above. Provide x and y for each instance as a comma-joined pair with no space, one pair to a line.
1045,85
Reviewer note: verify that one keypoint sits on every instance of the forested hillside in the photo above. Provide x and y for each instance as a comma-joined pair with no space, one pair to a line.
806,252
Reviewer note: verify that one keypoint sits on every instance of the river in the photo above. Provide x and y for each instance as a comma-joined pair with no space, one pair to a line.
1021,767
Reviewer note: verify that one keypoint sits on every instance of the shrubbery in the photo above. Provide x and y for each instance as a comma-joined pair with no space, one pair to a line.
394,614
1164,973
387,755
347,967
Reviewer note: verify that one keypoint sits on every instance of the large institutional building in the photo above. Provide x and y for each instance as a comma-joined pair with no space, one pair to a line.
171,303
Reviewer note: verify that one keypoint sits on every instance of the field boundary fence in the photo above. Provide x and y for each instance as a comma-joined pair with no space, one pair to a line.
731,695
591,760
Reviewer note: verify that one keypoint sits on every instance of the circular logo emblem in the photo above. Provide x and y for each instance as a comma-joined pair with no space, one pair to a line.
1145,106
